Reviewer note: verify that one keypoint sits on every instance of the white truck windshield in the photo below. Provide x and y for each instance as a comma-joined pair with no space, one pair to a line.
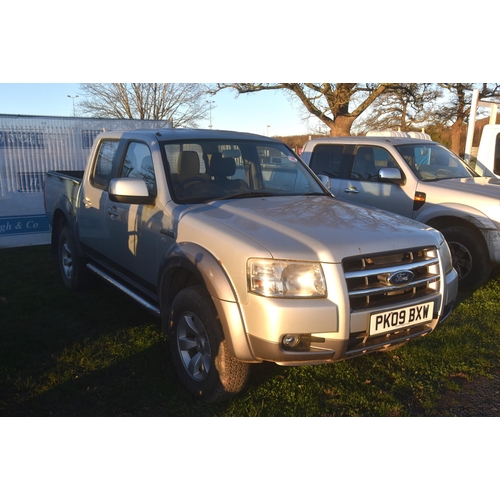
432,162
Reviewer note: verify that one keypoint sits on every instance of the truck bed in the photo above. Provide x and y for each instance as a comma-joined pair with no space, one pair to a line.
55,193
66,174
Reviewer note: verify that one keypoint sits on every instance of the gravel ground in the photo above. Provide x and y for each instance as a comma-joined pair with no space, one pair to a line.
479,398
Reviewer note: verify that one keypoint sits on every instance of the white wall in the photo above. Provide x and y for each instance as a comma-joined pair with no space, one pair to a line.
30,146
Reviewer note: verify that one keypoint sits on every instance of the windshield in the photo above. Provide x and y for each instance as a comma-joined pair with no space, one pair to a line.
432,162
205,170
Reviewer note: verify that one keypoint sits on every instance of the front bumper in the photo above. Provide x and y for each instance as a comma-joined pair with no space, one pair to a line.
330,330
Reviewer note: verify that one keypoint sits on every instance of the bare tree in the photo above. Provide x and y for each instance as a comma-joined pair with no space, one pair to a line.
337,105
405,108
182,103
456,109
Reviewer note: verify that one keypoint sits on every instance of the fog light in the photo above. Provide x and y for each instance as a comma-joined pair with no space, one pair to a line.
291,340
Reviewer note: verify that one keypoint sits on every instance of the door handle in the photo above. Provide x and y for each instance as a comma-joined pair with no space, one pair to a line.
113,212
351,190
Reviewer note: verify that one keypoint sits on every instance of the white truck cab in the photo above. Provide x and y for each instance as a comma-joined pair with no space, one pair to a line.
420,179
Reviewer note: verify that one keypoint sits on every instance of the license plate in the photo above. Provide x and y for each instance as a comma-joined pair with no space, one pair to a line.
400,318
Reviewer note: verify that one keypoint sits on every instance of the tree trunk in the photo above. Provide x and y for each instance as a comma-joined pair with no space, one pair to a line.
341,126
456,135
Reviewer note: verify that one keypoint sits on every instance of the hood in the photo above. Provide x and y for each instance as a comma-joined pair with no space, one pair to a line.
482,186
318,228
479,195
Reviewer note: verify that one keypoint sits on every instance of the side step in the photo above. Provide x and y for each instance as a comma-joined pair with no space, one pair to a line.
152,308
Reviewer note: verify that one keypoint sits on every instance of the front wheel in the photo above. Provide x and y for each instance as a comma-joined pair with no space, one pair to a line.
469,256
199,351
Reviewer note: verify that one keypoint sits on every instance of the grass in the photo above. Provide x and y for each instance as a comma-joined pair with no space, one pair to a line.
97,353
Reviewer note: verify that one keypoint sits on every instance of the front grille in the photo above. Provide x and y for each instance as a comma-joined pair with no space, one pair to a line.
367,278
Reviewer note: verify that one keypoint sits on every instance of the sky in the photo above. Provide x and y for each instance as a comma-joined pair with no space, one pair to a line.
62,49
266,112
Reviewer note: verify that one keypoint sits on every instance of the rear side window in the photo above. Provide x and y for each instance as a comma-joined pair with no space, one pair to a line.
327,159
104,164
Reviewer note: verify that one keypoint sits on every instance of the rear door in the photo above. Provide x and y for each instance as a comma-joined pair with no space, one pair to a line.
330,160
92,218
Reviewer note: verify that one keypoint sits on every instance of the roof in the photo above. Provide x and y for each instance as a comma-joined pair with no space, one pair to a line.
170,134
395,141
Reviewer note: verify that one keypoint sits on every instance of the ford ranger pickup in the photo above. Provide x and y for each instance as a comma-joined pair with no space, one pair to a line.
244,254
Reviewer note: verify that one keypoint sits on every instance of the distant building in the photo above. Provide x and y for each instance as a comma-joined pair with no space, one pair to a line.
29,147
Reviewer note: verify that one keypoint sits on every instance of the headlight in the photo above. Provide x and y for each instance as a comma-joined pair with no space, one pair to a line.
284,278
445,256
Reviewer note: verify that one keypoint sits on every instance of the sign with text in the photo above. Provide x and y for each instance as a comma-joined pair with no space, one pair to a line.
21,139
24,224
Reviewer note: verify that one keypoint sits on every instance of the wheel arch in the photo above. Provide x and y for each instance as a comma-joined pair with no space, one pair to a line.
471,257
62,215
442,221
59,220
483,234
189,264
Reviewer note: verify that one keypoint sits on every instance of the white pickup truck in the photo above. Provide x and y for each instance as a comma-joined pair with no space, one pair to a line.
422,180
244,254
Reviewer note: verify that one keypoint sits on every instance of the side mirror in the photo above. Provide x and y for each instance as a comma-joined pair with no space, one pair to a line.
325,180
391,174
128,190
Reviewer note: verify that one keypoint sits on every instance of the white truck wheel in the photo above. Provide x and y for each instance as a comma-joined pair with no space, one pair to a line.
469,255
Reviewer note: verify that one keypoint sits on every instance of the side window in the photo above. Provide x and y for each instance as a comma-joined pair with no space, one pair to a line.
104,164
368,160
327,159
139,165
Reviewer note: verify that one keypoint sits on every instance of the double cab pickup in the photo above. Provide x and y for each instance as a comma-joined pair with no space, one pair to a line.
244,254
411,175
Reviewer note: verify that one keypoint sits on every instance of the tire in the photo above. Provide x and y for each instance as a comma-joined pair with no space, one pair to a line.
74,272
469,255
199,351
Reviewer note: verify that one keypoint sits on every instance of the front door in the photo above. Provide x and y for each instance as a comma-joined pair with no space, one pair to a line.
134,229
361,183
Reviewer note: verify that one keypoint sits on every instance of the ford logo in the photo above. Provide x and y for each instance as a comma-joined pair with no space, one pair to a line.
400,277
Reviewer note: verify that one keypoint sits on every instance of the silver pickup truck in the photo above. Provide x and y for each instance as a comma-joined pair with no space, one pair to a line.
422,180
244,254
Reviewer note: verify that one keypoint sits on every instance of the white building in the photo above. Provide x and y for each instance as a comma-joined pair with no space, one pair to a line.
29,147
